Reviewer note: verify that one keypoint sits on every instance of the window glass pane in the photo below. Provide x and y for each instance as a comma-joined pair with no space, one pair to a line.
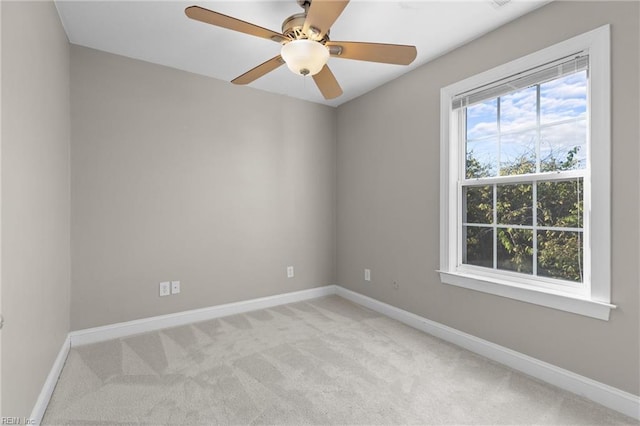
518,153
563,146
518,110
515,250
542,128
564,98
478,246
482,119
479,204
515,204
482,158
560,255
560,203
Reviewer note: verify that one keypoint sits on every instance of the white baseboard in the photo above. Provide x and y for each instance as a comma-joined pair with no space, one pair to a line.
50,383
616,399
123,329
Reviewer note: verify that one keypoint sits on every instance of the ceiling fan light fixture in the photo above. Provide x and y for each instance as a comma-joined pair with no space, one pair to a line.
305,57
306,45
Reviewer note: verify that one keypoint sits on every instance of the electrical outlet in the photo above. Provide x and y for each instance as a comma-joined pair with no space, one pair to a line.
165,288
367,274
290,273
175,287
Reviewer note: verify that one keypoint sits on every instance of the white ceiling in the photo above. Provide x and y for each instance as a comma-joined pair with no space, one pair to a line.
159,32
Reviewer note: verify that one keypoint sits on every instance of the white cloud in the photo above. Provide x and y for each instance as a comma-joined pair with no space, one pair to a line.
561,99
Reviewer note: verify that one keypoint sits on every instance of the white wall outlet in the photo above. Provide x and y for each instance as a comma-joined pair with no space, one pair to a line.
290,273
367,274
175,287
165,288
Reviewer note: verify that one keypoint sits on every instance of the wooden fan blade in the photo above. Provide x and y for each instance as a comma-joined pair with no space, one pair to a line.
259,71
399,54
218,19
321,16
327,83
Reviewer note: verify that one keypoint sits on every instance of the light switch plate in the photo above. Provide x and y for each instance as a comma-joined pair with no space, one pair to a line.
175,287
367,274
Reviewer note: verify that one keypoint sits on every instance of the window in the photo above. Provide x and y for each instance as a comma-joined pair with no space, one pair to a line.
525,178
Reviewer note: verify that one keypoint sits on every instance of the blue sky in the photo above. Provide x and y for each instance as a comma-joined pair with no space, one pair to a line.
562,99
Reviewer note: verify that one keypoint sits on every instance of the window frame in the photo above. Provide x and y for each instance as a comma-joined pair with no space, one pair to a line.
594,298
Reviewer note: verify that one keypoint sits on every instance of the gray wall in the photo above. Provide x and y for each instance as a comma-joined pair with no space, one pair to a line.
388,205
35,199
176,176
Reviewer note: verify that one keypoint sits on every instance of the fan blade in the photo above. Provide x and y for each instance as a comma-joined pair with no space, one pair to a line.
327,83
218,19
399,54
321,16
259,71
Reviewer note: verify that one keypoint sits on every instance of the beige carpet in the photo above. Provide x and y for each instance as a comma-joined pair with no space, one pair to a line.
325,361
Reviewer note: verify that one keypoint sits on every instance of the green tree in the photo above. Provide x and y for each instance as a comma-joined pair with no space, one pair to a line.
559,204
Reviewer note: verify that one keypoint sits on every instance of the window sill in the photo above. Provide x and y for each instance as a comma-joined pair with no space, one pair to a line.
556,300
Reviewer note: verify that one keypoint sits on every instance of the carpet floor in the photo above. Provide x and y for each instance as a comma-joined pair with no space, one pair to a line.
325,361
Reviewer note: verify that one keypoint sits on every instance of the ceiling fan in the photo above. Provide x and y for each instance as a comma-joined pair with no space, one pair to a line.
306,46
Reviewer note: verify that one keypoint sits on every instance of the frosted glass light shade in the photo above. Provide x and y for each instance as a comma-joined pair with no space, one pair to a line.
306,57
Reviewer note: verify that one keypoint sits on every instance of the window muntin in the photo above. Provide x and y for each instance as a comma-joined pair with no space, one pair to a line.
533,224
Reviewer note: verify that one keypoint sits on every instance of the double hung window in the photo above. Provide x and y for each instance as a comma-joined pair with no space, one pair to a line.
525,178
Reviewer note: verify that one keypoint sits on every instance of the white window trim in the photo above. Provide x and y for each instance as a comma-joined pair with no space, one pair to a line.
596,303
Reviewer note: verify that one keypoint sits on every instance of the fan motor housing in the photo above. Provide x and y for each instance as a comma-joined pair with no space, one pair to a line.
292,28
